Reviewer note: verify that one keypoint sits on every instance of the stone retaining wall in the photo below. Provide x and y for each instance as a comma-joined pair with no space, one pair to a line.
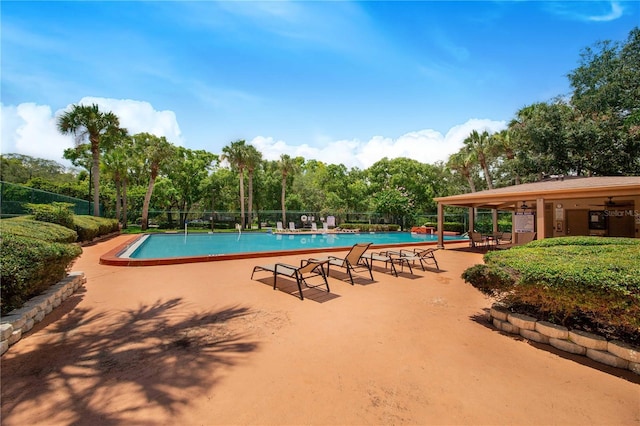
614,353
19,321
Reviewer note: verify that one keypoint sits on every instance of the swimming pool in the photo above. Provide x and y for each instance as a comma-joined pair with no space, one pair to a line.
155,249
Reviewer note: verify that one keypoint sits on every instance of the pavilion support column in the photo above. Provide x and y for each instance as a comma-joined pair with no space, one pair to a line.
540,218
440,226
494,217
472,215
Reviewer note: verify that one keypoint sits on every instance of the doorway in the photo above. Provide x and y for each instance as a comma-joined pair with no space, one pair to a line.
577,222
621,223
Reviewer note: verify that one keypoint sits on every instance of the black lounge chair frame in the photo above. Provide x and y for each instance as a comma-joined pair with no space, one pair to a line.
424,256
308,268
388,257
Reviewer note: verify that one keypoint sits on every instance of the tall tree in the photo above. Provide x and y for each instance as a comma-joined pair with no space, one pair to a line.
88,122
189,173
116,162
287,166
155,152
479,145
607,98
504,145
462,162
253,158
236,154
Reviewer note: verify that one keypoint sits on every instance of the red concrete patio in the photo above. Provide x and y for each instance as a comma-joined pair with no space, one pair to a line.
203,344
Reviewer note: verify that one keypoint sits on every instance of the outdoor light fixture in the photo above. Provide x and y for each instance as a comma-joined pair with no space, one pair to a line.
524,205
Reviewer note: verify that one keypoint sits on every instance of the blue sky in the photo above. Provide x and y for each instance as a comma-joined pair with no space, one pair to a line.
342,82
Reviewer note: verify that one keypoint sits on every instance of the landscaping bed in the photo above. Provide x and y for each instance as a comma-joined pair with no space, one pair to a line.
585,283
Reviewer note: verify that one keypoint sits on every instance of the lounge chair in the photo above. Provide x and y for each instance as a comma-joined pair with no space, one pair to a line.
351,262
325,227
424,256
387,257
292,227
307,269
314,227
505,238
279,227
477,240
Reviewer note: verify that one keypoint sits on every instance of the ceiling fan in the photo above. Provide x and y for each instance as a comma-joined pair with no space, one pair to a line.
610,203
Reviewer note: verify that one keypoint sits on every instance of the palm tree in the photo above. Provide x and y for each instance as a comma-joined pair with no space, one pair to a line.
116,163
287,166
253,160
479,144
462,162
504,143
89,122
156,151
236,154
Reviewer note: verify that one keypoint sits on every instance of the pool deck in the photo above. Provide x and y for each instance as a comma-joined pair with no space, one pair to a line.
203,344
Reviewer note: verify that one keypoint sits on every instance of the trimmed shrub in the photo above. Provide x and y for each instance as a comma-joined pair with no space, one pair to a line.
593,278
371,227
449,226
59,213
90,227
29,266
26,227
490,280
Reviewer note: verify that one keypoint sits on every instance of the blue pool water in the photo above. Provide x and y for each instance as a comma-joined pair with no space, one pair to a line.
179,245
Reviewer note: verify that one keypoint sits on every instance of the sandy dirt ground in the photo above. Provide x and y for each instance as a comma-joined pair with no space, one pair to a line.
203,344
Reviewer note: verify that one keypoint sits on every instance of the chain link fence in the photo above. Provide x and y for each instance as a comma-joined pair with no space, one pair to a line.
14,197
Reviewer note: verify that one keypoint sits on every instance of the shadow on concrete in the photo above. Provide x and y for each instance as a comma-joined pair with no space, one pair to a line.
483,319
157,356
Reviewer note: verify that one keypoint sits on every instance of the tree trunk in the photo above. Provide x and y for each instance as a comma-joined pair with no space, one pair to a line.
125,212
284,214
250,199
95,174
242,198
472,185
118,183
147,201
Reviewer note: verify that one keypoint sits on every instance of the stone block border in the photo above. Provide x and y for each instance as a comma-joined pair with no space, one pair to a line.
19,321
612,352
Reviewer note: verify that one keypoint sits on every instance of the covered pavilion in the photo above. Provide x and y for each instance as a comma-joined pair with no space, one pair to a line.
562,206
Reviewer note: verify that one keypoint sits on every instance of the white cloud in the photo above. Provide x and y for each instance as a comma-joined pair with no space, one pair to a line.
426,146
30,129
595,11
139,116
615,13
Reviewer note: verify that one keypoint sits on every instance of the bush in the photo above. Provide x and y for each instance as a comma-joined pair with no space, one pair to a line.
568,278
90,227
373,227
58,213
26,227
449,226
29,266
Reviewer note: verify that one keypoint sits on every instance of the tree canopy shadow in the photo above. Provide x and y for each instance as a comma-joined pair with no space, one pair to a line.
161,354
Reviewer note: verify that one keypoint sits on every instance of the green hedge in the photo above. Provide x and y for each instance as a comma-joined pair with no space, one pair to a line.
371,227
58,213
568,278
27,227
90,227
29,266
35,254
449,226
